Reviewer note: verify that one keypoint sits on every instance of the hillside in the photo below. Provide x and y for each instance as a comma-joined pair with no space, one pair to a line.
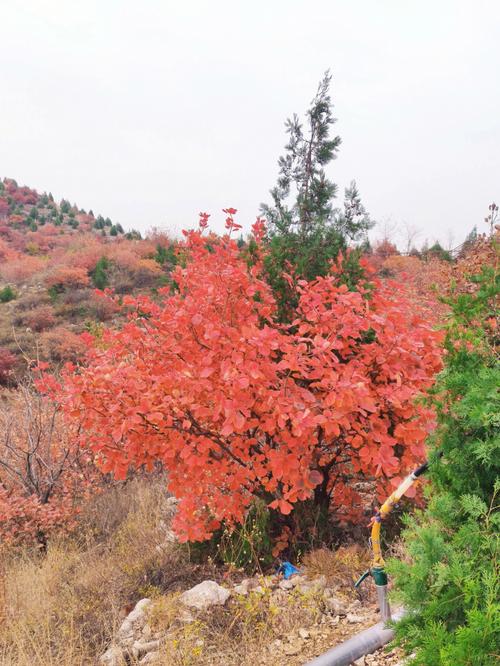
53,257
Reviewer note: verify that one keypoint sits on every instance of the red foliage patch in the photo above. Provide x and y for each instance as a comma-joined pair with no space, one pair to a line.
237,406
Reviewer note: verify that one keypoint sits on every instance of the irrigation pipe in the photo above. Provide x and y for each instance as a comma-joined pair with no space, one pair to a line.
375,637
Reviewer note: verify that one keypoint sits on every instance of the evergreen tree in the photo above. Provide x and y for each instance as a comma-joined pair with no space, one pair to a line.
7,294
64,206
100,273
306,231
450,582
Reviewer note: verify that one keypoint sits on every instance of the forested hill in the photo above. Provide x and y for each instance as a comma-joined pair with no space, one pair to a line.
53,257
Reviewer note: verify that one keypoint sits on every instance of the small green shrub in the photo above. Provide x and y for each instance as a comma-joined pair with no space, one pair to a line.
100,273
7,294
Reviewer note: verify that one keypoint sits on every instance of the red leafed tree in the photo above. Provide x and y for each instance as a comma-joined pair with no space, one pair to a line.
67,276
44,474
7,365
238,406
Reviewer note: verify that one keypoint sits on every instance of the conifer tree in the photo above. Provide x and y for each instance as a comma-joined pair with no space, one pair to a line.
306,230
450,581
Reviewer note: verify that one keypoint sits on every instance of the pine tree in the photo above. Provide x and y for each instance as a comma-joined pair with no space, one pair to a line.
306,231
450,583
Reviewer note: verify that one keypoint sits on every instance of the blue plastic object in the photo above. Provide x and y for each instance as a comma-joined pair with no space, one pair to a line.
287,569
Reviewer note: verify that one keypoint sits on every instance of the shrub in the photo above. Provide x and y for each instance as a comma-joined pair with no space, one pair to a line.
7,294
38,319
44,471
7,365
64,277
237,406
451,585
99,274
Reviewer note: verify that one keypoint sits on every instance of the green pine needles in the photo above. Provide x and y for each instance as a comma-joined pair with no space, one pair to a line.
450,584
306,230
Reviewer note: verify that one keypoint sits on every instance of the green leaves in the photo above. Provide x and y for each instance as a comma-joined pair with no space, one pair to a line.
452,584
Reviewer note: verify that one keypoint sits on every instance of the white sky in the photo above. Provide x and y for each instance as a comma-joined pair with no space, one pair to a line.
151,111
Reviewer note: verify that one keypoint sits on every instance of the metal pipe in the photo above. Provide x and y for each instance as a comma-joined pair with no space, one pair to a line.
365,642
383,603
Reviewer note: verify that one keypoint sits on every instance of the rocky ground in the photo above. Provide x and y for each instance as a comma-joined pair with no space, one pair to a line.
263,620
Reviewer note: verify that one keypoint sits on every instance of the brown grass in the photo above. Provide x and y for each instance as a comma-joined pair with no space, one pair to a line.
62,608
341,567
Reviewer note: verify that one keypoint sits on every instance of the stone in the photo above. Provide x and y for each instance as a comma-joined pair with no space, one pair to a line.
171,502
243,587
303,633
354,619
291,650
186,617
296,579
113,657
134,620
139,649
335,606
320,582
286,585
206,594
150,658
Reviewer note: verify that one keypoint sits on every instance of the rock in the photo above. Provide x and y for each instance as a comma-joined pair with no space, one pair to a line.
316,585
291,650
186,617
248,585
286,585
360,662
335,606
113,657
243,587
139,649
171,502
206,594
354,619
146,631
303,633
150,658
135,619
320,582
296,579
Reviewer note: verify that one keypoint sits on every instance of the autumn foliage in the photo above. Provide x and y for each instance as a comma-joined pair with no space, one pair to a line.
238,406
44,474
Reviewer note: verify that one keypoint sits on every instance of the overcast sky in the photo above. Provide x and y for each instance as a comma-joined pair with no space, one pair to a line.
151,111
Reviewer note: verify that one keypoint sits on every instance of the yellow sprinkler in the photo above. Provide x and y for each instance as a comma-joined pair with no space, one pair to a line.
377,571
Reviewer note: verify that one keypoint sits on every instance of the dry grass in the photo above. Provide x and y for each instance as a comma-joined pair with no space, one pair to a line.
237,634
341,567
62,608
